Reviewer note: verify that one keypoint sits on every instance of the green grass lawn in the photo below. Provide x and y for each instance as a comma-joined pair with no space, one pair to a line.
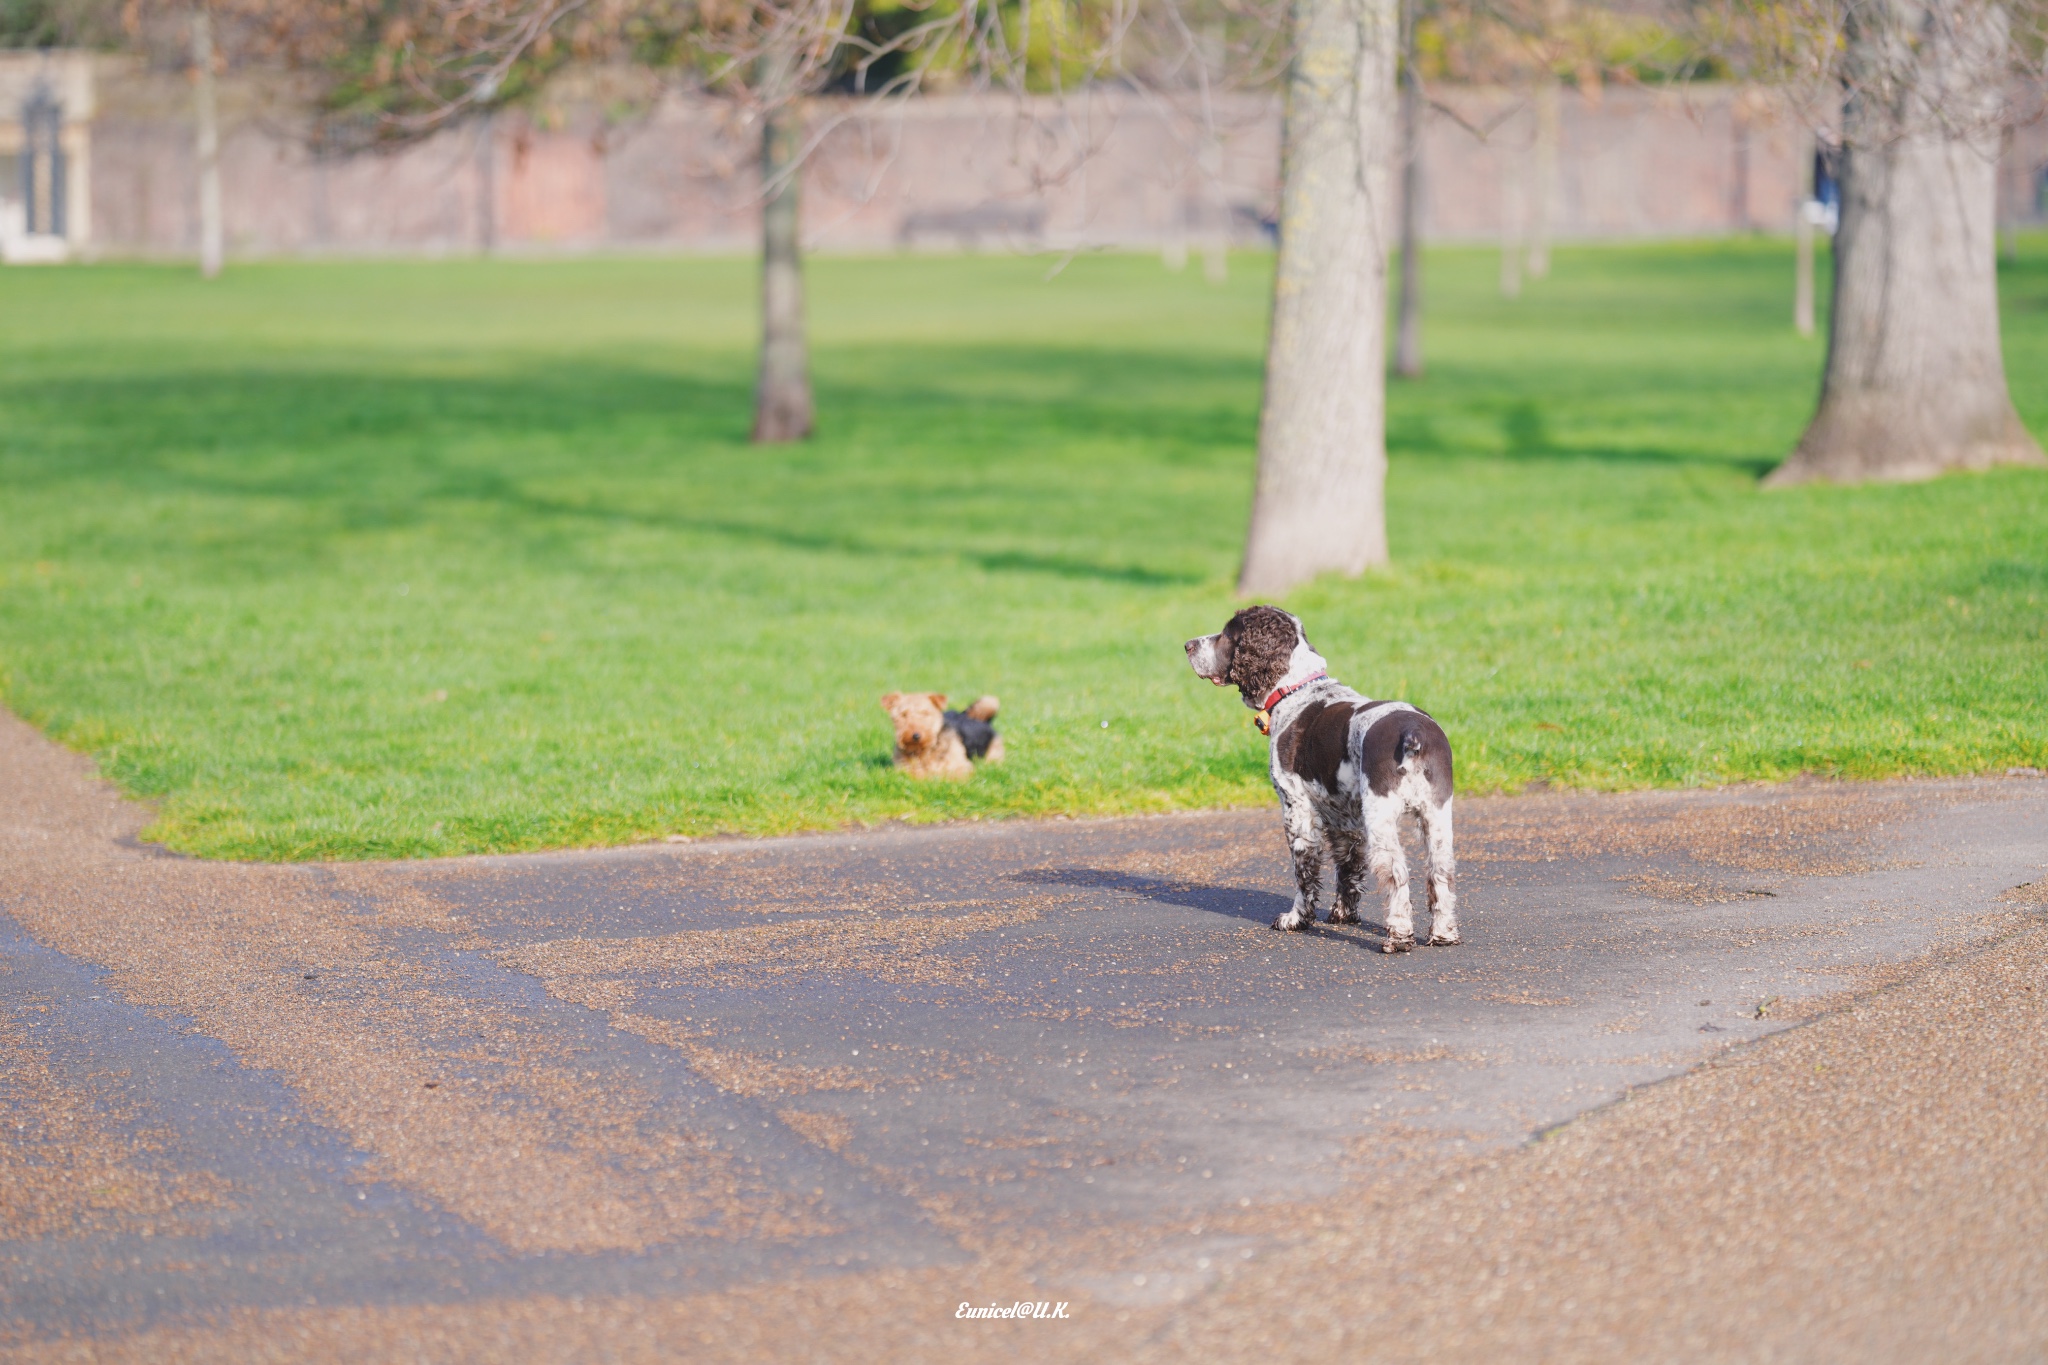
364,560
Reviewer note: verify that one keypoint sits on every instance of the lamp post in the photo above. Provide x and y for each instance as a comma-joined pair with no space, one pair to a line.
42,164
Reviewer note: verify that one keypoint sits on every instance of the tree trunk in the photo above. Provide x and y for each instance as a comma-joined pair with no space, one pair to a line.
487,182
782,397
1320,500
206,124
1802,273
1512,175
1543,199
1803,225
1915,379
1408,330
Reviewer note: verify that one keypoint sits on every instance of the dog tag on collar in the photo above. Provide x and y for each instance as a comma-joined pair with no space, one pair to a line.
1264,720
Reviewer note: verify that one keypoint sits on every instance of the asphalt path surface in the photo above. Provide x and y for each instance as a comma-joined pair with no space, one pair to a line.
807,1097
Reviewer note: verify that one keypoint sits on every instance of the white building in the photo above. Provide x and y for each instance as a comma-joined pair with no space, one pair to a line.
46,110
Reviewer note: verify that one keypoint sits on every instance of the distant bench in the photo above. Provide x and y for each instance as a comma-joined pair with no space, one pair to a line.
969,226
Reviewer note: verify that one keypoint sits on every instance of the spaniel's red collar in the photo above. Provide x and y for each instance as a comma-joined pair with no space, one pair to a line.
1264,718
1278,694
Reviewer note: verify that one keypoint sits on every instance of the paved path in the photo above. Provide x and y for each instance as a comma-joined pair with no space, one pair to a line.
806,1096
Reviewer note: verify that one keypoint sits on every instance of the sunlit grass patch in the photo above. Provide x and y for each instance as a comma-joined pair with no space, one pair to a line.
392,559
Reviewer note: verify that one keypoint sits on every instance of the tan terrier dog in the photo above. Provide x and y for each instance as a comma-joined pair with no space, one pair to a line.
934,742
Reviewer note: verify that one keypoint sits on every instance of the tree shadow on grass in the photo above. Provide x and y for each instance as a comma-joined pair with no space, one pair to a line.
920,398
847,543
1527,437
364,451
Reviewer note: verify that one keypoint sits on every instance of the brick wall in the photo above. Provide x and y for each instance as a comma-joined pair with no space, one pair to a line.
1110,169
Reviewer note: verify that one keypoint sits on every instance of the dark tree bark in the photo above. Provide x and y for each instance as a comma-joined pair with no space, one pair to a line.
782,396
1320,500
1915,379
1408,328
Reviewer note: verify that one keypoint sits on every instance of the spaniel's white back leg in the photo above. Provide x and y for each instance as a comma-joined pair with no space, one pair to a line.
1390,866
1443,873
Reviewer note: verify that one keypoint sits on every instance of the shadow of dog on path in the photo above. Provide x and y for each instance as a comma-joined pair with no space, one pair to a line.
1236,902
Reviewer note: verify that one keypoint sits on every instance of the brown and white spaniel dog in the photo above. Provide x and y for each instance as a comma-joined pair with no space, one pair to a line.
1347,769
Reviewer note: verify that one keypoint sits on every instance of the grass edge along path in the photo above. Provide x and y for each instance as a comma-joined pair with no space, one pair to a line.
404,559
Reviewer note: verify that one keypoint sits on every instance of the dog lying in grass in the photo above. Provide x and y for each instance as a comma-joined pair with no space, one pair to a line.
934,742
1347,769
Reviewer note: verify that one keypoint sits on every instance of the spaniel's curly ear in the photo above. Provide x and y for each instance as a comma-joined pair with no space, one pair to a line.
889,699
938,699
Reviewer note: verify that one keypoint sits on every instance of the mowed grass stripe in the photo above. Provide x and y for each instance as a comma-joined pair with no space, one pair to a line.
370,560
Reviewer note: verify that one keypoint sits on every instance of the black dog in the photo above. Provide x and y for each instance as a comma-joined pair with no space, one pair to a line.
976,734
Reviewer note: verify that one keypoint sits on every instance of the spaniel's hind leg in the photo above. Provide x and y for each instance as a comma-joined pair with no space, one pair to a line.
1443,874
1389,866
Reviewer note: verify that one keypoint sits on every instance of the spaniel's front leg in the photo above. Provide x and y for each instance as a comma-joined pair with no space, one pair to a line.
1310,851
